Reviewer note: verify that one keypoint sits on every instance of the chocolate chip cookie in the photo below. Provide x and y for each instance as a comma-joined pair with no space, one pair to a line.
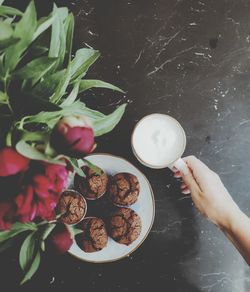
94,236
72,207
94,185
124,189
125,226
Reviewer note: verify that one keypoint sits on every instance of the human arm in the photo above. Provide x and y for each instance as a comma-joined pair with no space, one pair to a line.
213,200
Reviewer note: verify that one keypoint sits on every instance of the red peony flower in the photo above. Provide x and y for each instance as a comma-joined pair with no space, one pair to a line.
28,189
7,213
60,239
11,162
73,135
24,205
57,174
40,197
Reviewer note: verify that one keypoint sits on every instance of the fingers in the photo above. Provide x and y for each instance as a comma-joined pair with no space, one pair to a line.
192,184
184,188
189,183
177,174
186,191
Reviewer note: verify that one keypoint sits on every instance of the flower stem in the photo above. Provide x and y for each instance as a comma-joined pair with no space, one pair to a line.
8,139
10,107
46,222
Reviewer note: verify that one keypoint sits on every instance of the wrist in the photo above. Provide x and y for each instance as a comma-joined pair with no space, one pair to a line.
232,219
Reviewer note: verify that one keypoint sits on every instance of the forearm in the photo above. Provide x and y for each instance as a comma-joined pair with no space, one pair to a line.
238,232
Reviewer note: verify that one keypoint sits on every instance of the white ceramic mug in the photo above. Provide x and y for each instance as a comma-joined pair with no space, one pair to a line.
171,130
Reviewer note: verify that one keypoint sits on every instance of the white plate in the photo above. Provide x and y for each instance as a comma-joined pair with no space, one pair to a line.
145,207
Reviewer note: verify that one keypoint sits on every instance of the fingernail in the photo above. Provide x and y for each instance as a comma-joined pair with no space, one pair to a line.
177,175
186,191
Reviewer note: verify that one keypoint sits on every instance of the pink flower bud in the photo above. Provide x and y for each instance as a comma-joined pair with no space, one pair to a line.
61,239
74,136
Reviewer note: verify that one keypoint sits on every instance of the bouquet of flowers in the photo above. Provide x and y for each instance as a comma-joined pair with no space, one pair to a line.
44,129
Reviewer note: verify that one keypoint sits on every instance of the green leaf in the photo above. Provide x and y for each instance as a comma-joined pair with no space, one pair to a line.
2,73
107,124
31,225
62,46
9,20
46,232
47,87
35,69
48,229
69,29
55,35
92,166
87,84
16,229
77,231
3,97
6,10
79,108
58,35
62,86
66,38
33,268
24,30
4,44
6,30
72,96
42,245
62,12
27,251
84,58
31,152
34,136
50,118
43,24
77,168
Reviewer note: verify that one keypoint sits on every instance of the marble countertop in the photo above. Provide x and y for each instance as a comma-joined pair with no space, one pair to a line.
189,59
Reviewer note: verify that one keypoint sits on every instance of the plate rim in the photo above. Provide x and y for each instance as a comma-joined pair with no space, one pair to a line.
151,224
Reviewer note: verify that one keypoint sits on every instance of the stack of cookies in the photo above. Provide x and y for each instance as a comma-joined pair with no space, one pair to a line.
119,192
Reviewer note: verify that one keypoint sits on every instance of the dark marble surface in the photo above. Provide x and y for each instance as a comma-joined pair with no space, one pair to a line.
190,59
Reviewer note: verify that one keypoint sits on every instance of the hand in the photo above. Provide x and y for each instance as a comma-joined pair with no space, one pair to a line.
209,194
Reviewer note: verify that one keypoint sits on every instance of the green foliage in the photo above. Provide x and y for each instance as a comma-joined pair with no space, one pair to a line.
40,60
30,251
16,229
33,267
40,80
87,84
27,251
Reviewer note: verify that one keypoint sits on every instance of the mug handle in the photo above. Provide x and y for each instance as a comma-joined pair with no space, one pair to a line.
181,165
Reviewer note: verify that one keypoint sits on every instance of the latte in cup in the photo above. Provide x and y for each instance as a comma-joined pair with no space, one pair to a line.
158,141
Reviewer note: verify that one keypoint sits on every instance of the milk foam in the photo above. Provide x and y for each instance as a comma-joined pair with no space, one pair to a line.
158,140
